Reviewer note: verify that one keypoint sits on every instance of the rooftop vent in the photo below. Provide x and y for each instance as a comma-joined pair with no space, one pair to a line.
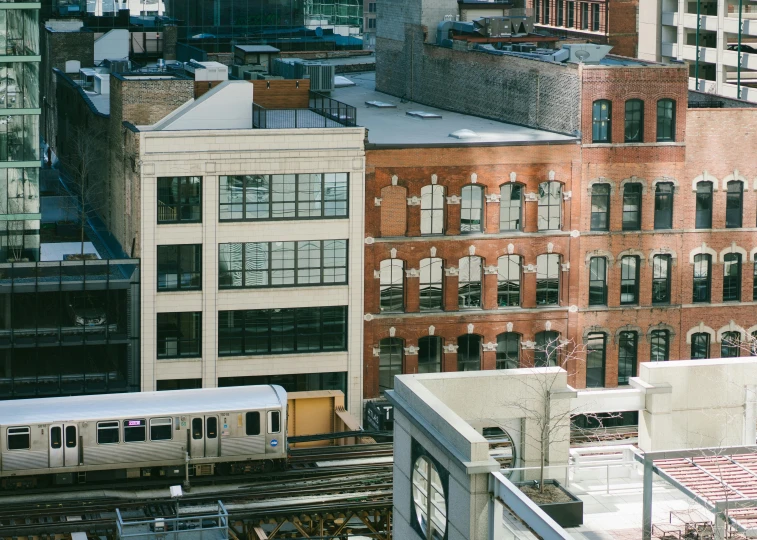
381,104
464,134
423,115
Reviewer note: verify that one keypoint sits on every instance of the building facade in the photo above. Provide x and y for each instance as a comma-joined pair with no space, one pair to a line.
718,43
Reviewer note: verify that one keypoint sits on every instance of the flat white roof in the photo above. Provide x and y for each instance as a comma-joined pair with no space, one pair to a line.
137,405
394,127
258,48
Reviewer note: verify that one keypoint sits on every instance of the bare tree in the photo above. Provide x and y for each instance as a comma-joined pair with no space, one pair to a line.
84,165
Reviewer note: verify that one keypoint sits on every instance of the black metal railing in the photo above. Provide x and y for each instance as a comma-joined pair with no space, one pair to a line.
323,112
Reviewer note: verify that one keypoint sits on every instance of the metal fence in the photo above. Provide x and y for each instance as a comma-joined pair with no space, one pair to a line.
323,112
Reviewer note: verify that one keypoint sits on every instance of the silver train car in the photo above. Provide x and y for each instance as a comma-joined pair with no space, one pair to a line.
78,439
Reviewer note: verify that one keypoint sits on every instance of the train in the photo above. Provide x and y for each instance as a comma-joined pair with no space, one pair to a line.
96,438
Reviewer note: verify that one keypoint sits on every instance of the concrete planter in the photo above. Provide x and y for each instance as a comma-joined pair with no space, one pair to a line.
566,514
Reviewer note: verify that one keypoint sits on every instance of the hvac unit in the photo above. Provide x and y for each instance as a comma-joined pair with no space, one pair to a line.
585,53
321,76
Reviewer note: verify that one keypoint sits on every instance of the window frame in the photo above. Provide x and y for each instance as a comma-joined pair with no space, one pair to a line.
636,193
628,358
100,426
659,338
601,122
437,215
729,347
704,260
597,282
734,205
470,209
595,17
548,291
508,210
570,17
395,356
143,427
732,283
509,289
389,293
631,281
546,206
584,15
598,337
659,279
426,287
700,339
547,349
468,289
248,415
703,216
634,119
663,217
666,126
161,422
473,343
560,5
179,206
18,431
179,324
196,276
600,220
422,345
507,342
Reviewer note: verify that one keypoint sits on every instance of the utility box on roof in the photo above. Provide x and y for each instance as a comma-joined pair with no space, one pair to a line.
255,55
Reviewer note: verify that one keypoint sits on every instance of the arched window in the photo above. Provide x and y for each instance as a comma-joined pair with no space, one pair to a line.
511,207
550,206
472,209
661,279
663,206
508,350
704,205
508,281
431,274
390,362
597,281
392,285
601,130
666,120
659,345
547,349
548,280
700,346
627,349
730,345
430,354
469,283
733,204
634,120
600,207
702,266
432,209
629,280
595,360
732,277
469,353
632,206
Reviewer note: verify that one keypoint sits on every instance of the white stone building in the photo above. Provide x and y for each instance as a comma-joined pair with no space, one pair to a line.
251,242
669,31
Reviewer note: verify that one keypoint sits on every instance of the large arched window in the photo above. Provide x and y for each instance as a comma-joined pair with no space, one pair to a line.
508,350
666,120
472,209
601,125
704,206
431,274
548,280
733,204
550,206
469,352
702,273
430,354
432,209
508,281
547,349
634,120
469,283
392,288
730,345
732,277
511,207
390,362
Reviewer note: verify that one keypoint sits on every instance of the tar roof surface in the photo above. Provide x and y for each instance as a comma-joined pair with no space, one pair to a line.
103,407
394,128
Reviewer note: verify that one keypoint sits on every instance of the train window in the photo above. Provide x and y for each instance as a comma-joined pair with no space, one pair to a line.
19,438
134,430
160,429
107,432
70,436
252,421
211,427
56,437
273,422
197,428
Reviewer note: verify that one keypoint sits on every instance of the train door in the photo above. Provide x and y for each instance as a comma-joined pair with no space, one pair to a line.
204,436
197,437
64,445
211,436
273,432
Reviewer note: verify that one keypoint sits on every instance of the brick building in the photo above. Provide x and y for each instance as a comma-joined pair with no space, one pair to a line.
633,237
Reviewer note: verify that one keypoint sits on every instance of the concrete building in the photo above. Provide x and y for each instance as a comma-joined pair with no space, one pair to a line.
624,223
609,22
717,43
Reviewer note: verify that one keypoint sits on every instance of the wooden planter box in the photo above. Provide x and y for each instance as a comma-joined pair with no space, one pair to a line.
566,514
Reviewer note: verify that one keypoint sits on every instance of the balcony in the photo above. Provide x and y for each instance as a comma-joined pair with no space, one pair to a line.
322,112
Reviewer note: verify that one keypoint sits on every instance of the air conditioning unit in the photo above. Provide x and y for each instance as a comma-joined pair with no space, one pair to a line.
586,53
321,76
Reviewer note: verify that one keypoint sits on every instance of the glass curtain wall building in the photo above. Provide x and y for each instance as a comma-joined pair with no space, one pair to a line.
19,131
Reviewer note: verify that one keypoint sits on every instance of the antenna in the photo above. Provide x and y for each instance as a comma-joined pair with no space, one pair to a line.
582,55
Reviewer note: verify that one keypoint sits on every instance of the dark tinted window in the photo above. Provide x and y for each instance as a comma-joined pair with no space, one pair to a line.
107,433
704,205
701,278
135,430
595,361
211,427
179,199
629,280
19,438
197,428
179,334
666,120
597,281
634,120
600,207
627,347
252,423
71,437
390,362
663,206
632,207
700,346
275,422
56,440
601,112
469,352
160,429
429,354
661,279
732,277
733,205
659,345
180,267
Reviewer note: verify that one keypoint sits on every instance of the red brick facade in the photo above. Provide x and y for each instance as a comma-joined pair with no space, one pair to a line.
715,145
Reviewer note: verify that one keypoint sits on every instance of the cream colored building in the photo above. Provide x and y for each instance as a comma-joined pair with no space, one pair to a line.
211,138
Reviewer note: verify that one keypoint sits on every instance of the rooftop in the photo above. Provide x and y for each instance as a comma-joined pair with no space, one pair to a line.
258,49
390,125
